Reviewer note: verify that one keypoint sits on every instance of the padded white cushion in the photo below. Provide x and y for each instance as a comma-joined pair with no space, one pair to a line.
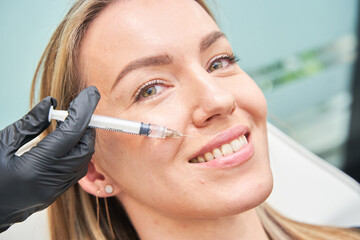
306,188
36,227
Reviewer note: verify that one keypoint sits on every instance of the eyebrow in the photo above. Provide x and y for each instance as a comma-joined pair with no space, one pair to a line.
164,59
209,39
143,62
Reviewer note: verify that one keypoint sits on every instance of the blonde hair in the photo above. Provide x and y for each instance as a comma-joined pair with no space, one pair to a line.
73,215
281,228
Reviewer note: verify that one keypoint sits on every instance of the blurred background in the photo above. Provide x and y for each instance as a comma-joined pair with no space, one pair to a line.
302,54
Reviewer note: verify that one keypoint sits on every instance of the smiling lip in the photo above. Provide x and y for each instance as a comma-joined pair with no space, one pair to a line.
236,158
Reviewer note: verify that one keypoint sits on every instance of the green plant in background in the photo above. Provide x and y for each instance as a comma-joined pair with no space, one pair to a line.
305,64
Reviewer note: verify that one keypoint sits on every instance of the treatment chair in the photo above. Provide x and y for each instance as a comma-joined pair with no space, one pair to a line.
309,189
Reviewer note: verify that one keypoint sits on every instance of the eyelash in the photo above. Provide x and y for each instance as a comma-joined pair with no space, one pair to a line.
230,57
145,86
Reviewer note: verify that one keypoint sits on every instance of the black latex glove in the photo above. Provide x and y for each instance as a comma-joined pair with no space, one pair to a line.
33,181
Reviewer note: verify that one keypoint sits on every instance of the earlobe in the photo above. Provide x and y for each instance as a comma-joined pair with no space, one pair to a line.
109,189
96,183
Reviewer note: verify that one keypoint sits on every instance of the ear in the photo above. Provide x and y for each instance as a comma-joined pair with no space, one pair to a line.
95,182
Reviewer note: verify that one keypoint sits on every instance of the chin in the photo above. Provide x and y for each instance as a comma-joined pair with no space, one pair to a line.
250,199
231,202
250,192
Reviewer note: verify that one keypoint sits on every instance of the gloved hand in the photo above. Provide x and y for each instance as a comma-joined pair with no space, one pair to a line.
32,181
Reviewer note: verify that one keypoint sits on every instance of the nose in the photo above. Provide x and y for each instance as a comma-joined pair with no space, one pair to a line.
211,99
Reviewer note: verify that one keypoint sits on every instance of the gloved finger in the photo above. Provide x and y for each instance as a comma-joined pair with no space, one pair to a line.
77,158
52,186
81,173
28,127
68,134
60,182
51,176
65,185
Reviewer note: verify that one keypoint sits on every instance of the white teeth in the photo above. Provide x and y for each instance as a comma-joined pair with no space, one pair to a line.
235,144
217,153
226,149
243,140
209,156
201,159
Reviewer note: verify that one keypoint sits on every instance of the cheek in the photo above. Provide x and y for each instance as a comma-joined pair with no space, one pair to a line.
250,98
129,160
109,150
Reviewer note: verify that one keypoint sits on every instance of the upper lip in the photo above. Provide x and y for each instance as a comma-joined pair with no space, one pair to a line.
222,138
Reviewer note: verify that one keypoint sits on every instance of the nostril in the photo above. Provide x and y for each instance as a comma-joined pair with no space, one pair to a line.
234,108
212,117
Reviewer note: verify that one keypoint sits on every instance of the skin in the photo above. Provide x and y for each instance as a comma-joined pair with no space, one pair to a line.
165,196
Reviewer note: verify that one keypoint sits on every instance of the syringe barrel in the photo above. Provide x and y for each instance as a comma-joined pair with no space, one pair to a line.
117,124
121,125
152,130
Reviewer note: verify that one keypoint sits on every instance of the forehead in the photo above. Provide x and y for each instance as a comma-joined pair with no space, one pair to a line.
132,29
136,27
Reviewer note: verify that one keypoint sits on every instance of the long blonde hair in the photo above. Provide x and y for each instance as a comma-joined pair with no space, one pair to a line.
73,215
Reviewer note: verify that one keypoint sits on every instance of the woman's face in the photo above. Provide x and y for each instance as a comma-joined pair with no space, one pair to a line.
167,63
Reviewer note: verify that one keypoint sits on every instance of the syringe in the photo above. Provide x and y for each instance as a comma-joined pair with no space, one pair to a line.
121,125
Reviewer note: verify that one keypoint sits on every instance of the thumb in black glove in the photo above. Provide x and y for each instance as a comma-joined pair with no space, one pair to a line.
32,181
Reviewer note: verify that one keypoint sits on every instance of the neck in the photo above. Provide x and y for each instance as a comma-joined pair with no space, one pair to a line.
154,226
